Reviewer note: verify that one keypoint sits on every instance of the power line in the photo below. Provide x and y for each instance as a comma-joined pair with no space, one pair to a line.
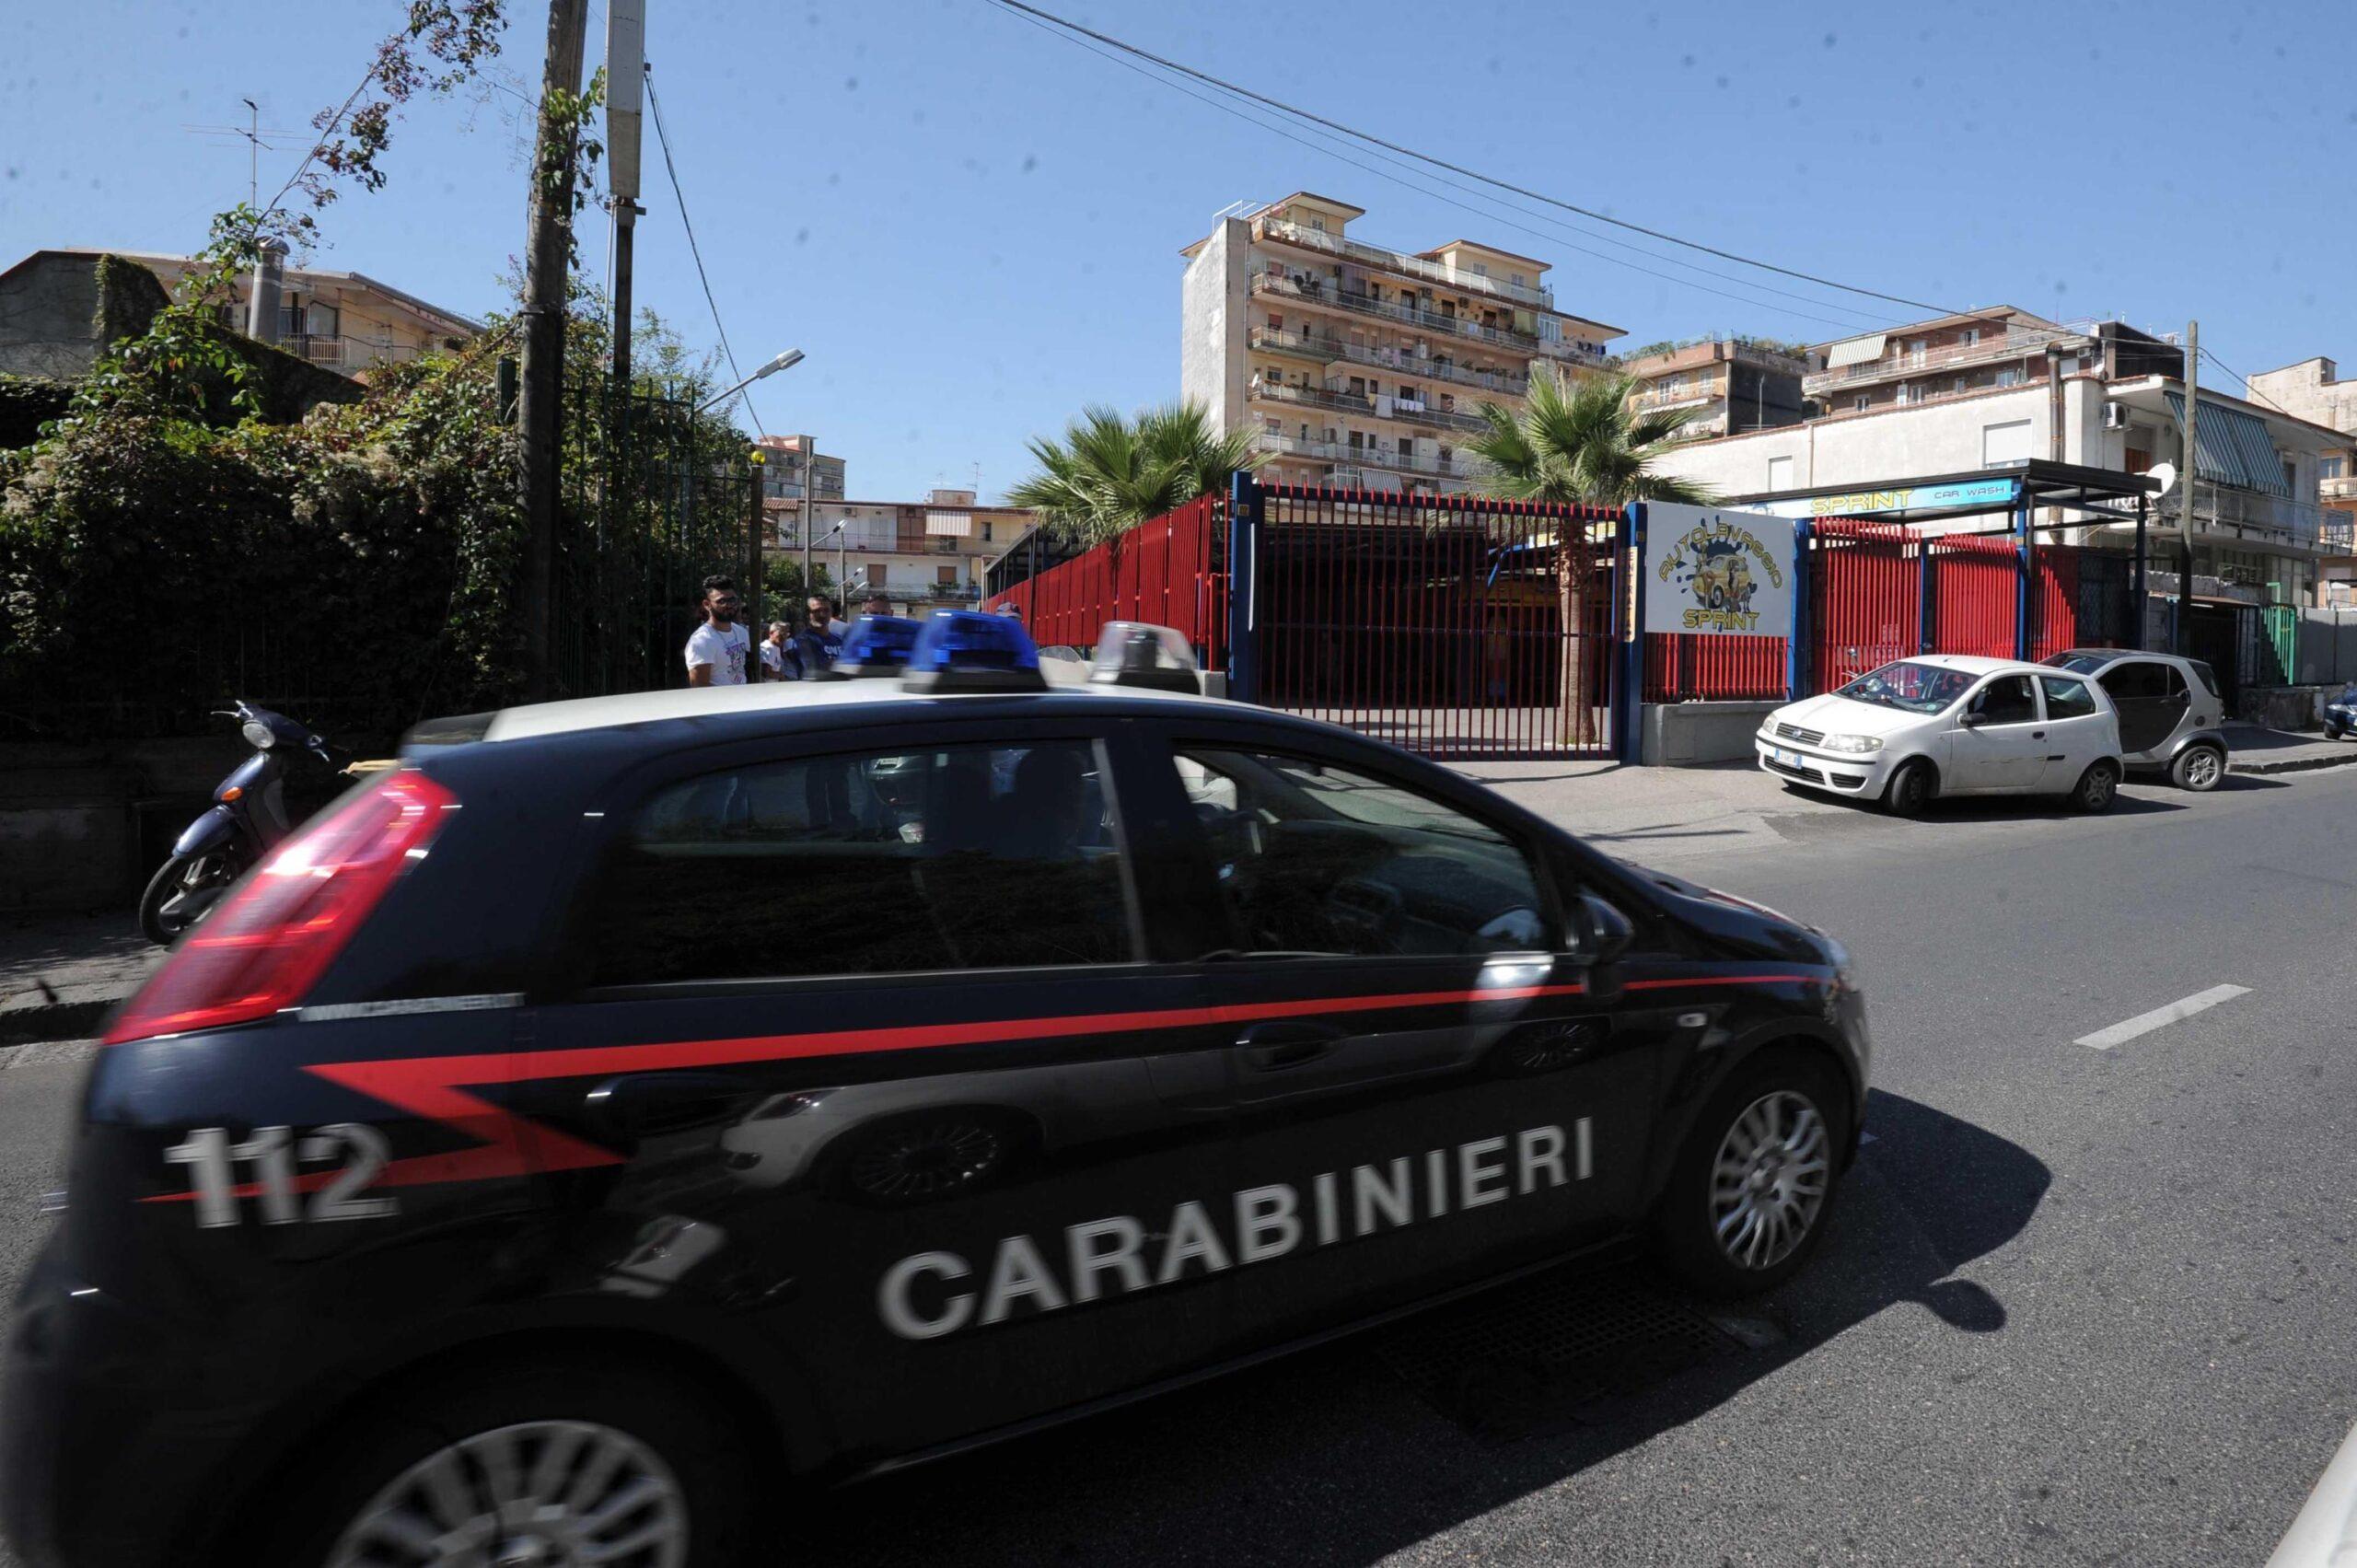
1490,213
664,142
2253,391
1297,112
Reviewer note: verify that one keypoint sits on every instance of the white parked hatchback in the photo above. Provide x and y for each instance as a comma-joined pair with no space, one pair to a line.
1951,724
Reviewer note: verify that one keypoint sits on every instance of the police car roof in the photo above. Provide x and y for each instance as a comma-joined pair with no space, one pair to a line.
786,700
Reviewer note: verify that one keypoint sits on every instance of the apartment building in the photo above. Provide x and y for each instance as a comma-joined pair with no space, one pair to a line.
2257,521
793,469
347,323
1977,351
2312,389
1357,366
1732,384
920,554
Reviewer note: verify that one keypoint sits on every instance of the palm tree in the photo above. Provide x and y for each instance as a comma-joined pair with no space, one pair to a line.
1108,474
1579,443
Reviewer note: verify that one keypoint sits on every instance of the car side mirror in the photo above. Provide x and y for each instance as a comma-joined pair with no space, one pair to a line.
1603,932
1972,720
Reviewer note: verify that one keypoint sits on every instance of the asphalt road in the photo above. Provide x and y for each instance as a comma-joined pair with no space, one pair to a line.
2078,1305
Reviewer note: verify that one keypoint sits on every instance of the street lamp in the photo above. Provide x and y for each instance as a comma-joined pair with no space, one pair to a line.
841,545
785,361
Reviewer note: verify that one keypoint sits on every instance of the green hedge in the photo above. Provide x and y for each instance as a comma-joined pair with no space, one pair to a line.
27,402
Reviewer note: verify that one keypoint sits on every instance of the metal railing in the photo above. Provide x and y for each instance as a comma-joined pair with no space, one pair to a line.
1370,407
1664,397
1898,363
347,354
1313,291
1363,457
1399,261
1334,350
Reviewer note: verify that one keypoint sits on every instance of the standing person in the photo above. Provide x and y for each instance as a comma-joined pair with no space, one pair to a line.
779,659
719,649
822,612
819,642
875,604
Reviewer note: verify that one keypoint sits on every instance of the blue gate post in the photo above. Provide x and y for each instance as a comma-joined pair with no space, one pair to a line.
1243,577
1927,606
2024,559
1798,646
1628,625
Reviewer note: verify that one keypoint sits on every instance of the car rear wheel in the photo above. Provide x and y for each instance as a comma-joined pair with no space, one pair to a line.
553,1466
1909,789
2198,767
2097,788
1753,1189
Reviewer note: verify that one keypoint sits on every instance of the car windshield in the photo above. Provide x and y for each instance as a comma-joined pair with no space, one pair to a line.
2079,663
1916,688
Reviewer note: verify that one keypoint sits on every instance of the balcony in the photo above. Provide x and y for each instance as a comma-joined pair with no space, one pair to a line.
346,355
1363,457
2228,513
1422,267
1383,407
1896,364
1313,291
1684,397
1334,351
2342,489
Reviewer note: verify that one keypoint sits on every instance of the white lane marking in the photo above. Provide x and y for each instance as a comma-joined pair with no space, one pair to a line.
2325,1530
2145,1023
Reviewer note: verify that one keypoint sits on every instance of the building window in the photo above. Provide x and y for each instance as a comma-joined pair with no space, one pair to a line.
1971,336
1518,279
2005,443
1780,473
2009,376
946,576
876,573
2329,468
1860,406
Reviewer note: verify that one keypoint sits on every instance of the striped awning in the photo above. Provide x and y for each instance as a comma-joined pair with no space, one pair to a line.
1855,351
2234,447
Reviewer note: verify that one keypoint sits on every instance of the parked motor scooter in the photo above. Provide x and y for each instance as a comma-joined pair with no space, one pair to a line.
248,816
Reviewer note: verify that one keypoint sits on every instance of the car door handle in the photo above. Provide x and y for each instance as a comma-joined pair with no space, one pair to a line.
638,1104
1273,1048
2038,735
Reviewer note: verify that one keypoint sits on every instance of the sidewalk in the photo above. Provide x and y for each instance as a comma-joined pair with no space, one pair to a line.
2258,750
60,973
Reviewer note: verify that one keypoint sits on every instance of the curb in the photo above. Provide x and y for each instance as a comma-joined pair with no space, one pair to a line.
2295,764
58,1020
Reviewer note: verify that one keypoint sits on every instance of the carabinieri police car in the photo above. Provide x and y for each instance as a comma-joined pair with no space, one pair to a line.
623,1104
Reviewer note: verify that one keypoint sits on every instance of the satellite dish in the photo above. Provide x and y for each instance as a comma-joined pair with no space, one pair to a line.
2166,474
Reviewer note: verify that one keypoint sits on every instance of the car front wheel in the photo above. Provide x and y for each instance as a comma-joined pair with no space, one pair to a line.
2198,767
1753,1189
1909,789
2097,788
546,1464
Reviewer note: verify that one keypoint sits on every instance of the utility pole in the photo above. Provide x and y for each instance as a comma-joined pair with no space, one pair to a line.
809,506
540,401
254,152
2178,640
625,89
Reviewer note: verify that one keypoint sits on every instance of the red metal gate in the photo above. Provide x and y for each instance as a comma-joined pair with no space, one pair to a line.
1974,583
1866,598
1170,570
1457,626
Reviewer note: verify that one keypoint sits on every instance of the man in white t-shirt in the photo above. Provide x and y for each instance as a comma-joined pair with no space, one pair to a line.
719,649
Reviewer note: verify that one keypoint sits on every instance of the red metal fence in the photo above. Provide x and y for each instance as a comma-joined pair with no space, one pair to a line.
1974,581
1866,600
1171,571
1683,667
1454,625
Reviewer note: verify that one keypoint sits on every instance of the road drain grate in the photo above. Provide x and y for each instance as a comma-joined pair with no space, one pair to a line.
1525,1357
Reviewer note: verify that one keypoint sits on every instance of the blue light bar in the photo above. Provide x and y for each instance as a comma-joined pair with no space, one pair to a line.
877,645
963,650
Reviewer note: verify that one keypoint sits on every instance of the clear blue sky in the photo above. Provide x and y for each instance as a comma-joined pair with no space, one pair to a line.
972,229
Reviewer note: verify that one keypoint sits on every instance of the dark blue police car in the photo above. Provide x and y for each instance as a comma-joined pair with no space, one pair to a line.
625,1104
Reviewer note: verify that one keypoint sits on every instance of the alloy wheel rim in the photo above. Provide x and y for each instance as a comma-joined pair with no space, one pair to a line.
539,1494
2201,769
2099,786
923,1162
1769,1182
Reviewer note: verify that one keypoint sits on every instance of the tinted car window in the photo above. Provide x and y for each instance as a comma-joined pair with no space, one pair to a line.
2079,663
2137,679
2006,700
2208,677
1319,859
958,858
2067,699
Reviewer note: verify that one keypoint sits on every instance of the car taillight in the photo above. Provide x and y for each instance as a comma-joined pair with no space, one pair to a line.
265,944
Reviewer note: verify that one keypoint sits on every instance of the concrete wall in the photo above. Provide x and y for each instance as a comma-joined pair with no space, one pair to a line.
81,826
1212,309
1680,735
49,308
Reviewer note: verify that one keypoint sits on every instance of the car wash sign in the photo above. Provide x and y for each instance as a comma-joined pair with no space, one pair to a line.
1717,572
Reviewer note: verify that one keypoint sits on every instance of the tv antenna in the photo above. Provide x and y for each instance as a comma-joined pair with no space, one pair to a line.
256,139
